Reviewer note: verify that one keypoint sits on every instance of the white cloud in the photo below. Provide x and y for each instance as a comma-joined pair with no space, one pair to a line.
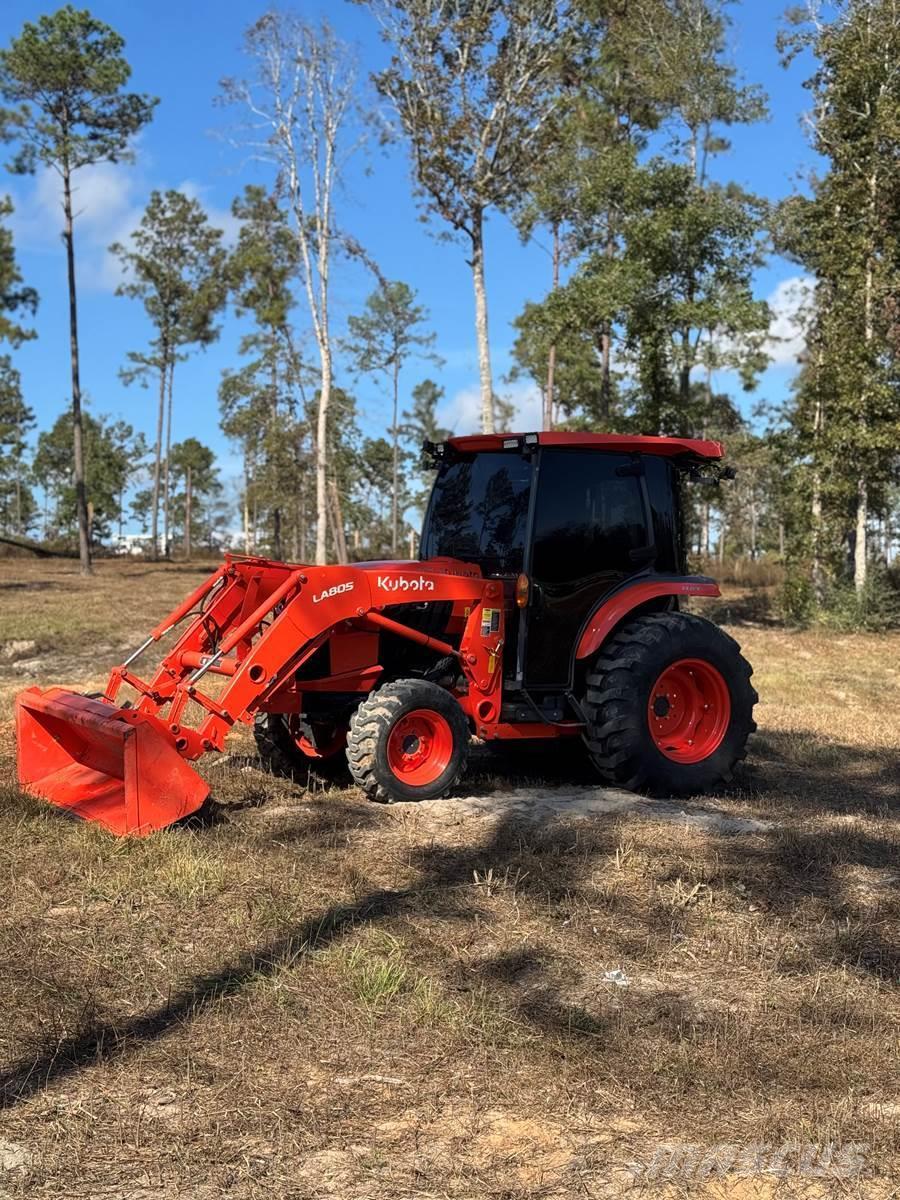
791,303
108,202
105,201
462,412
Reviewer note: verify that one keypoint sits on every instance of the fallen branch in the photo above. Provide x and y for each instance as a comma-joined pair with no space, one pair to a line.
36,547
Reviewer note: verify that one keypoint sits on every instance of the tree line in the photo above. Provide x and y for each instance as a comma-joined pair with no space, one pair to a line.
601,130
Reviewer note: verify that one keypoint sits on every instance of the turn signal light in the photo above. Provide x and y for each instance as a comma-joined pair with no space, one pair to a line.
523,586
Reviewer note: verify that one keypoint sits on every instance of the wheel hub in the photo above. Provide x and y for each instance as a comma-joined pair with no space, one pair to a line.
420,747
689,710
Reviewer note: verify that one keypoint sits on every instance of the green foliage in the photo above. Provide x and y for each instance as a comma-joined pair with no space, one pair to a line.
388,331
382,338
192,463
112,455
845,415
664,259
797,601
17,506
872,609
175,265
65,73
14,296
263,403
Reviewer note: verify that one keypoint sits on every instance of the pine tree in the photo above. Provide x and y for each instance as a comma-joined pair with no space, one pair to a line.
195,483
382,339
263,403
175,265
65,73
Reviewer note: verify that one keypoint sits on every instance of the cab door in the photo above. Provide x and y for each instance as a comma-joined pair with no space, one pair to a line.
590,532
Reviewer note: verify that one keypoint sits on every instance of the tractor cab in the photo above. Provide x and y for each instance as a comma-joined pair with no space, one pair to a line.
565,519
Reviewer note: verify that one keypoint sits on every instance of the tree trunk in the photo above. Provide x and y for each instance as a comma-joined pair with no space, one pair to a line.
481,328
551,357
322,455
337,517
395,482
157,464
862,488
303,515
166,498
859,547
187,512
818,575
84,539
684,385
246,506
606,350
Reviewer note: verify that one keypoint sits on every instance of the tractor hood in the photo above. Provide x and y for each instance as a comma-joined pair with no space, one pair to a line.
432,566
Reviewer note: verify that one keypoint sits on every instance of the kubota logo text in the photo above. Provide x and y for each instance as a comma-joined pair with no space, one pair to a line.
398,583
337,590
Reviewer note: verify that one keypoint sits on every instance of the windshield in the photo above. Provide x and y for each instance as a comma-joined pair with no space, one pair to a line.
478,512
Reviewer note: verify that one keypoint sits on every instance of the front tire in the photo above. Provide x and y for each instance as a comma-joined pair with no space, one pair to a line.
669,706
408,741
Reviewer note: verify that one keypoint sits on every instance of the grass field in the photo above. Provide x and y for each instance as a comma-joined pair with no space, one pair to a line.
319,997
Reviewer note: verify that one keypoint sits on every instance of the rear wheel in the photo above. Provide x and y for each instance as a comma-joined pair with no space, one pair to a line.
408,740
669,705
301,750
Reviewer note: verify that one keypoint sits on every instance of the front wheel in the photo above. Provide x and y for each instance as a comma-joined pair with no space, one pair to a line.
669,705
408,740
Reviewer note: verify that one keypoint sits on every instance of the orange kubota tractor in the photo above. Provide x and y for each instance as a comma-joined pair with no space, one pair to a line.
546,604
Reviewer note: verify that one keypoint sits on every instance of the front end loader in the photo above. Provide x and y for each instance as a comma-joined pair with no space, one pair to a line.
545,606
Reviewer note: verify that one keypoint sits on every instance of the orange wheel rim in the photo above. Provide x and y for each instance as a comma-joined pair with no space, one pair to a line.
326,747
420,747
689,710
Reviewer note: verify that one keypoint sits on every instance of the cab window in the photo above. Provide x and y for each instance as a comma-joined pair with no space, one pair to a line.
590,516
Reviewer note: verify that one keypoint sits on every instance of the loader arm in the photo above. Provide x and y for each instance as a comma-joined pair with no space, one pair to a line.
247,630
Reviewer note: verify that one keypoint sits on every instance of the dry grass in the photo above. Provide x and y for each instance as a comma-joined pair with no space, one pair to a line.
320,997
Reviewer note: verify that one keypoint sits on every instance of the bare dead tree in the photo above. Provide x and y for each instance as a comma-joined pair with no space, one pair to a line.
474,87
302,105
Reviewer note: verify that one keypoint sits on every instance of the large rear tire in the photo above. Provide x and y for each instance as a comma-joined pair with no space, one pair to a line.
289,748
669,705
408,741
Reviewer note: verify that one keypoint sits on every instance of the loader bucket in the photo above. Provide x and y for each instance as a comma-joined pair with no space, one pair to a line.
101,763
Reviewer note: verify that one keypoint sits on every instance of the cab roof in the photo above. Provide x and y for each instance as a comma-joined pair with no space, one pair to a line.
625,443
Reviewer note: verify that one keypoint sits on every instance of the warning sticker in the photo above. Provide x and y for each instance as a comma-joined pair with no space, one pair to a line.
487,620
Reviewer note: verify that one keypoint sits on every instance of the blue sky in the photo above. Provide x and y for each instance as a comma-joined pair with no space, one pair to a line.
179,52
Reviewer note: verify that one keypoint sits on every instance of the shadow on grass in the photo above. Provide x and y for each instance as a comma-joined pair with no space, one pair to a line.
547,866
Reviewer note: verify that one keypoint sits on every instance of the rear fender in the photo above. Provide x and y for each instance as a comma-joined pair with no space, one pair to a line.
612,611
